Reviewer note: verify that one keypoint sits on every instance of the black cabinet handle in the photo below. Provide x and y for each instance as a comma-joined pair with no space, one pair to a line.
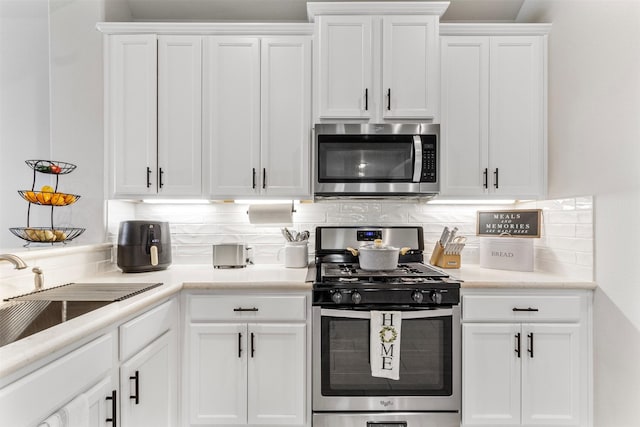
366,99
389,99
253,349
517,350
485,178
264,178
254,178
239,344
525,309
148,177
136,396
160,183
114,408
495,174
246,309
530,349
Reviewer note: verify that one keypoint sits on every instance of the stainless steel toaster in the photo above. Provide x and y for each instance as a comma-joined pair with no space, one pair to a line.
231,255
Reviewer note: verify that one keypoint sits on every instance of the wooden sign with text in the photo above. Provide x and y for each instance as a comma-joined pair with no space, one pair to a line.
513,223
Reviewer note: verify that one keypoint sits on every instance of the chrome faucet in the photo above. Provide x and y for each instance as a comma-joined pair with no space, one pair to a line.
17,262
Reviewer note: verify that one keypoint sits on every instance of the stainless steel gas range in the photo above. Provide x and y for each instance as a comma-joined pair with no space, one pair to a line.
348,390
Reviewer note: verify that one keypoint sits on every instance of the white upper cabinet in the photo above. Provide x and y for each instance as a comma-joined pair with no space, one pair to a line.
493,113
345,67
377,68
233,119
179,115
258,116
153,127
410,67
131,92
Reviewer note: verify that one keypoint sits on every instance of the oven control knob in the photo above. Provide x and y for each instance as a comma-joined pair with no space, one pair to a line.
417,297
356,297
436,297
337,297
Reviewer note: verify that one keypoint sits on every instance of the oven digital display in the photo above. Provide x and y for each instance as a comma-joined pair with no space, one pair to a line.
369,235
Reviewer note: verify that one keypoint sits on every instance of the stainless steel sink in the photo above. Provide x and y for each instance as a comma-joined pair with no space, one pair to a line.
30,313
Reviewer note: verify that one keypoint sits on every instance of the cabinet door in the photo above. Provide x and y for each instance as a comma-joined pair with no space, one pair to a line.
217,374
491,374
286,129
233,117
345,67
410,67
148,384
465,115
276,378
551,380
131,108
516,149
101,407
179,115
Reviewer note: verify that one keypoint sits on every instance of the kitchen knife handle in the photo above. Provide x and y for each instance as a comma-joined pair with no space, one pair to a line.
239,344
254,178
160,183
366,99
253,349
136,395
517,350
485,178
148,177
530,349
389,99
495,174
264,178
114,408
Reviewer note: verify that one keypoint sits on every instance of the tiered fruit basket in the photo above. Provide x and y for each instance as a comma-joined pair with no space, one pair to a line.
47,196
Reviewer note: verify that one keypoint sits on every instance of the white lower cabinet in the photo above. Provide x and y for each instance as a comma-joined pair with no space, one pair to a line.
149,373
241,372
84,373
525,361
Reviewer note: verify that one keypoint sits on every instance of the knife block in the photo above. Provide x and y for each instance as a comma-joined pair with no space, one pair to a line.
442,260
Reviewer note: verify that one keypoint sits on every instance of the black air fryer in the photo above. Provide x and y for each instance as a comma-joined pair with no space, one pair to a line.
144,246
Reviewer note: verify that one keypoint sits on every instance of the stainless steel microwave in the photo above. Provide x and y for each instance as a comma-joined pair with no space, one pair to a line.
376,161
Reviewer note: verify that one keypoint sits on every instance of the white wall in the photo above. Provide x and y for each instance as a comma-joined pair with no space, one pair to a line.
24,106
594,148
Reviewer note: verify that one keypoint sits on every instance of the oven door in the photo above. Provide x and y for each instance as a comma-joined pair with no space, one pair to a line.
429,362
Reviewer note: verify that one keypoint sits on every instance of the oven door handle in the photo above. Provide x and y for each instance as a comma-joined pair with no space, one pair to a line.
417,158
356,314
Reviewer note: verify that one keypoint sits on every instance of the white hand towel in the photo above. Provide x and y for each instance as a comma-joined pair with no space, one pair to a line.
53,421
385,344
76,412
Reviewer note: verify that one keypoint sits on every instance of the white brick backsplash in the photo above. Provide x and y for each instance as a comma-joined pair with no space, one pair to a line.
565,246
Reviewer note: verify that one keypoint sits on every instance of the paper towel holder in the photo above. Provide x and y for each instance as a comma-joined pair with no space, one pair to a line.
293,209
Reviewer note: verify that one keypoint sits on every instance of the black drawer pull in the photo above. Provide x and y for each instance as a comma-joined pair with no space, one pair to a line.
525,309
136,396
114,406
245,309
148,177
239,344
517,350
253,349
530,349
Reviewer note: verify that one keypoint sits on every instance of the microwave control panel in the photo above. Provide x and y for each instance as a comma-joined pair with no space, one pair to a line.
429,159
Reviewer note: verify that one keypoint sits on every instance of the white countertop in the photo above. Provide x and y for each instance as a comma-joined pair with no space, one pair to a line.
21,353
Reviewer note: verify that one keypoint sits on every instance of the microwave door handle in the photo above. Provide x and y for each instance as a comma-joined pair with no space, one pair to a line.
417,158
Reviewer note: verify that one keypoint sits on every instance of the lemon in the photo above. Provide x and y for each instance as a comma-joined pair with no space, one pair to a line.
47,189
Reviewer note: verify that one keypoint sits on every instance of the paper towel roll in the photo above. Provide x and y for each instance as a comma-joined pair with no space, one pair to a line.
280,214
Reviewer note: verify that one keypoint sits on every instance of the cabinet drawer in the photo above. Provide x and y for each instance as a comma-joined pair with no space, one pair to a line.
29,400
521,308
246,307
139,332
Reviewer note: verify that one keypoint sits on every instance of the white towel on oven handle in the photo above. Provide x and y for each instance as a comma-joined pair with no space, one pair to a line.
386,327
